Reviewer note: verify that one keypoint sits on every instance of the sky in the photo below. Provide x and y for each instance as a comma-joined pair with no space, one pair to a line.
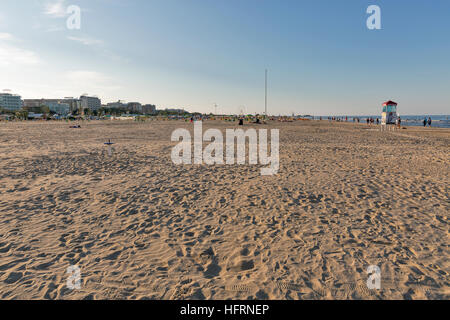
321,57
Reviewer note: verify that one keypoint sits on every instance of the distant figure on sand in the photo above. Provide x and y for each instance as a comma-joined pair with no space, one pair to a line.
399,122
425,122
378,121
429,121
368,120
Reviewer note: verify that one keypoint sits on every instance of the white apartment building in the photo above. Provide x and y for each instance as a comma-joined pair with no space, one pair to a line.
91,103
117,105
10,102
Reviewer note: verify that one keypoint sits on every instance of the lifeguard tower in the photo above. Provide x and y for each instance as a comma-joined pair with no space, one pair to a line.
389,116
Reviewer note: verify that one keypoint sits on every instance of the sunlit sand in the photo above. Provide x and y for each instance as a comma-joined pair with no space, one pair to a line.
345,197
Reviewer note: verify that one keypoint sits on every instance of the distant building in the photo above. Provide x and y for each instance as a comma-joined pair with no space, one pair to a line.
36,103
148,109
62,109
74,104
10,102
53,104
91,103
180,111
117,105
135,107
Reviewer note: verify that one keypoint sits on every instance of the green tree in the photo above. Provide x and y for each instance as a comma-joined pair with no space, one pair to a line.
22,114
45,109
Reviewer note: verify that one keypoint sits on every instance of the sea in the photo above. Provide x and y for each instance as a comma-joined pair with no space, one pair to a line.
438,121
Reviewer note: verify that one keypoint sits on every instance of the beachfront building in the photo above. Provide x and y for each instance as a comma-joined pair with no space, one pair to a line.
91,103
74,104
134,107
34,105
389,114
179,111
117,105
55,105
149,109
63,109
10,102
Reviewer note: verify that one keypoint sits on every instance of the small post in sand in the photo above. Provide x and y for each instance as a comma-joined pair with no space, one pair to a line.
109,144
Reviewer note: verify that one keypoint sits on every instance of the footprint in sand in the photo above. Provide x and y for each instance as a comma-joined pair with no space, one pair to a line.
357,290
246,258
13,277
241,288
210,262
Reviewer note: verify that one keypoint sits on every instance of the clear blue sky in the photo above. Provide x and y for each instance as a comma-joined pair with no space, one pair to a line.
321,57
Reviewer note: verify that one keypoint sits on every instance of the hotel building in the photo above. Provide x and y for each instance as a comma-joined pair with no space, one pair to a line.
91,103
10,102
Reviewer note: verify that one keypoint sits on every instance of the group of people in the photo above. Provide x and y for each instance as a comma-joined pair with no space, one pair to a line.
338,119
372,121
425,122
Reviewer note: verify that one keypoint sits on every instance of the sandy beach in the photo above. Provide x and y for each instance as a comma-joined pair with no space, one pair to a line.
139,227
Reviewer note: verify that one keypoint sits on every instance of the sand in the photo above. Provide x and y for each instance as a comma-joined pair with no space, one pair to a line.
139,227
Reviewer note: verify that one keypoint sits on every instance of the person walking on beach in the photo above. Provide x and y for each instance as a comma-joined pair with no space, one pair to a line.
399,122
378,121
425,122
368,120
429,121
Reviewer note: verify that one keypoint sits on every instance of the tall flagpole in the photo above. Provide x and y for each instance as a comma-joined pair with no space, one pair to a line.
265,102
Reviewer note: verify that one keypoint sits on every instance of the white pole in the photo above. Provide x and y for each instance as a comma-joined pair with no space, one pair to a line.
265,102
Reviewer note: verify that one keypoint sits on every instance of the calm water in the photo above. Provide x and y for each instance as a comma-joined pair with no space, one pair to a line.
437,121
442,121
